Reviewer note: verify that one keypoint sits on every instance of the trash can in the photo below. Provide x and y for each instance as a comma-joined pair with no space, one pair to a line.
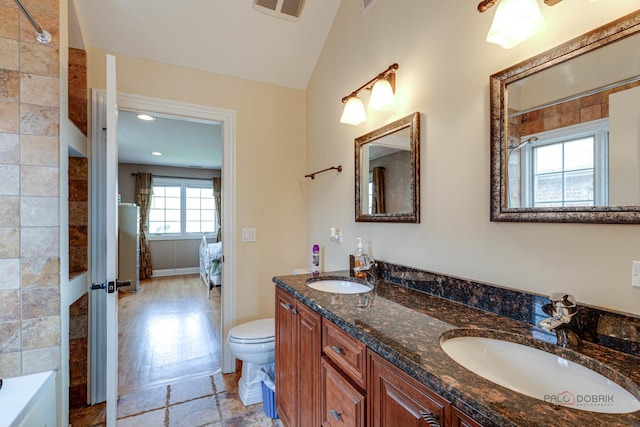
268,376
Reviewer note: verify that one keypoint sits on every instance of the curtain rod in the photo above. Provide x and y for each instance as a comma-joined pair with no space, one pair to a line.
176,177
42,36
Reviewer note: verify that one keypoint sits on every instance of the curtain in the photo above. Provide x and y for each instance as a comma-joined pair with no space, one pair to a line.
144,190
378,190
217,197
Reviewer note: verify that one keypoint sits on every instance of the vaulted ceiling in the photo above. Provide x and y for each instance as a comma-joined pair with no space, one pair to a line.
229,37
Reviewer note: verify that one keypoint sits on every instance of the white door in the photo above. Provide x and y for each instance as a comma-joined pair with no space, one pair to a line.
104,244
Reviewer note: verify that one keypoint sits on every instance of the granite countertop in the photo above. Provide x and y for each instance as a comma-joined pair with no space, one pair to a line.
405,327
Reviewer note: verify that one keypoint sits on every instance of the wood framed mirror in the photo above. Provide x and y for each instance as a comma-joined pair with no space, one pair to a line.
582,98
387,172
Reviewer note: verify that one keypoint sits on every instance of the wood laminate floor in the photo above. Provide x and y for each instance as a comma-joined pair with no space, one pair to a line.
168,331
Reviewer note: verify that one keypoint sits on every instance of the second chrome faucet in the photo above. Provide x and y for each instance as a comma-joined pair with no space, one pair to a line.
564,320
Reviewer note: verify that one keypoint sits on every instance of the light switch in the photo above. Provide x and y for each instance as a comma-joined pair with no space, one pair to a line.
635,274
248,234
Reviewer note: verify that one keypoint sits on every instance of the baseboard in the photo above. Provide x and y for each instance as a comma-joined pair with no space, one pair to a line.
175,272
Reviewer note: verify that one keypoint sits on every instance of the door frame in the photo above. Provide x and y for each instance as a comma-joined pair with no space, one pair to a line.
228,119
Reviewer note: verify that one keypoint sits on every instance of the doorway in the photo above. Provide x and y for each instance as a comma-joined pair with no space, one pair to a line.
227,119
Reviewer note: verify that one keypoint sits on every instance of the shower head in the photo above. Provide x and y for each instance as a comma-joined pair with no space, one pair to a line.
512,145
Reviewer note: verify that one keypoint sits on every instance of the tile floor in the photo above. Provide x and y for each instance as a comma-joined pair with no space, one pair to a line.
206,401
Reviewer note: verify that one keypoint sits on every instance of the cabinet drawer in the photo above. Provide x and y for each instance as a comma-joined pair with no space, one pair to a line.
341,404
345,351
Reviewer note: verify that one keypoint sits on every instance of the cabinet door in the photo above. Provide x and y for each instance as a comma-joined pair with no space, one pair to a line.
298,351
341,404
308,363
286,354
396,399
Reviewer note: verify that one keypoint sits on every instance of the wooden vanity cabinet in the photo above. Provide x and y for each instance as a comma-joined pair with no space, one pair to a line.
298,332
397,399
325,377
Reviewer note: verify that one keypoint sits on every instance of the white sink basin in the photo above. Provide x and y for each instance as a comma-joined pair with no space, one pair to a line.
539,374
337,286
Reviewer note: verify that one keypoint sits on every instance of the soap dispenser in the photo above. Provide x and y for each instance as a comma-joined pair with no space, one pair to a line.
357,260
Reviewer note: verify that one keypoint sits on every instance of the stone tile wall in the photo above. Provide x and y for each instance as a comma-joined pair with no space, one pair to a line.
78,88
78,215
581,110
78,362
29,191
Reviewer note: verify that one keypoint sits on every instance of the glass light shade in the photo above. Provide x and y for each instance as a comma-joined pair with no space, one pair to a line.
381,95
353,113
514,22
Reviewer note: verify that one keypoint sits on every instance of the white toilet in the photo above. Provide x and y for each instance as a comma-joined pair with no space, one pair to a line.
254,343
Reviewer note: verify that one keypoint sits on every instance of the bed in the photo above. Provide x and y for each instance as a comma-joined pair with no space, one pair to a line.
210,263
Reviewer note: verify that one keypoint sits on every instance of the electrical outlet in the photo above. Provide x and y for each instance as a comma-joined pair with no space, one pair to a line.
635,274
248,234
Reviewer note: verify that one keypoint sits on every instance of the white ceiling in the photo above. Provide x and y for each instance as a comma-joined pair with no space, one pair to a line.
222,36
182,142
226,37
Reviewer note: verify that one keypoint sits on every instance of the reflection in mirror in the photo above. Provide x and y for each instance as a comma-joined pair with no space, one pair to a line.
565,131
387,173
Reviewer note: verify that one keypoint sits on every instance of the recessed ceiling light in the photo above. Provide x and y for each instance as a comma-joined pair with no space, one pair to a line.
156,153
145,117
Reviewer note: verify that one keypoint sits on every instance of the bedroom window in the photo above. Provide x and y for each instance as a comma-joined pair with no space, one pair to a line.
567,167
182,208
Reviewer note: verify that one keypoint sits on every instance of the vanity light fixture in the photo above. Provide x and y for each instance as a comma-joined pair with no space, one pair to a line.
353,112
514,21
382,87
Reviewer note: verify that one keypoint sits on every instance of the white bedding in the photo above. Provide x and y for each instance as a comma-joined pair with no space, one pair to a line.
210,262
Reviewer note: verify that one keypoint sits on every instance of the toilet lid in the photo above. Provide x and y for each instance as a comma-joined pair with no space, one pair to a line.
255,330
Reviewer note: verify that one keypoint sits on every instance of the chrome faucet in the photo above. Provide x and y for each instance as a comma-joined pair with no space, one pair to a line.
369,269
564,320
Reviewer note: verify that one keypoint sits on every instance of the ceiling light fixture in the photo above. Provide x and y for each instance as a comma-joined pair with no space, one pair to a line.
515,20
145,117
382,88
156,153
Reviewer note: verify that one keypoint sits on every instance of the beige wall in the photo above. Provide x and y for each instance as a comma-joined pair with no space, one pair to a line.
445,65
269,170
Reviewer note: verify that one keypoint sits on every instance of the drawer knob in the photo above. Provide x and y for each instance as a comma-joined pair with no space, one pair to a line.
335,414
336,349
431,419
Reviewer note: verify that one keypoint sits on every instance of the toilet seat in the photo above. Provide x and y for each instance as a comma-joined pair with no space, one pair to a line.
256,332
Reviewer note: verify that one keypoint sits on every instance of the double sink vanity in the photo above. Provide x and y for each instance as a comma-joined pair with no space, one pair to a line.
349,353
